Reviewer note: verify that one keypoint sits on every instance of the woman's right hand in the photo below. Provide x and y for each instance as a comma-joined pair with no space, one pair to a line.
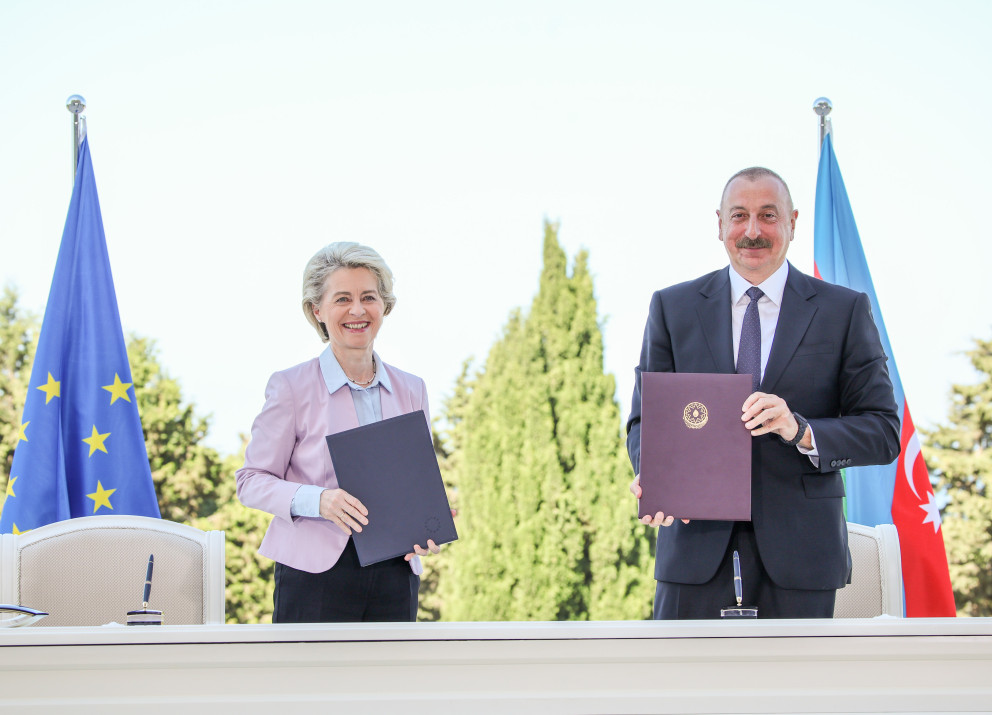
344,510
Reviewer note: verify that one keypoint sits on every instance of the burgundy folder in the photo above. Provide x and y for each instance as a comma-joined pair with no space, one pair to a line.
695,450
392,469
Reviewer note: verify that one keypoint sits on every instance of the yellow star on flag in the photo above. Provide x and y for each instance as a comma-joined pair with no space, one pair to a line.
15,530
24,434
118,389
101,497
50,388
96,441
10,486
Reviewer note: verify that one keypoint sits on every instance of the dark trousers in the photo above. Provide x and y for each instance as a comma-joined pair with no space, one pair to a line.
702,601
347,592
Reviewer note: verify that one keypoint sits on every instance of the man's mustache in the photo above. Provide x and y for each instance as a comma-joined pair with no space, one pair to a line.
745,242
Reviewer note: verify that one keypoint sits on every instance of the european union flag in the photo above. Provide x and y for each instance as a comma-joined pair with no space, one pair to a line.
81,450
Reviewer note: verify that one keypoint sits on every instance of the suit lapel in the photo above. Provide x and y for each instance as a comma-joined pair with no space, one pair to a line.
714,318
389,402
343,414
794,318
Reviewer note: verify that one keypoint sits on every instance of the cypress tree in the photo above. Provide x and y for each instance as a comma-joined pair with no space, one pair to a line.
437,568
547,528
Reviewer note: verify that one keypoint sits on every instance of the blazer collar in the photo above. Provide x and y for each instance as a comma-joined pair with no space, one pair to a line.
335,379
392,401
715,321
342,401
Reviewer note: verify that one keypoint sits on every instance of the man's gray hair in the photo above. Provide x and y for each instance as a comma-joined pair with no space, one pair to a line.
753,173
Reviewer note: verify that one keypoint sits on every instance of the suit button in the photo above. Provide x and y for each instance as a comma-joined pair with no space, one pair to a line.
833,462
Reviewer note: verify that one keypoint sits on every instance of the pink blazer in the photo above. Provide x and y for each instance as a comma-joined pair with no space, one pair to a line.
287,449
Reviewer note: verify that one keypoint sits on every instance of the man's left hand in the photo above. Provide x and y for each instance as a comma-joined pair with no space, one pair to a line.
764,414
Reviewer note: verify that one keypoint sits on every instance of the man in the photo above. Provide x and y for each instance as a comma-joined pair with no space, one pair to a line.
822,401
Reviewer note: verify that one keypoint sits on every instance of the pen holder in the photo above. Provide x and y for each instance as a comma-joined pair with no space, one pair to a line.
144,617
739,612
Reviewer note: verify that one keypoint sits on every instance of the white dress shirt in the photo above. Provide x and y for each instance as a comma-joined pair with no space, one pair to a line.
769,306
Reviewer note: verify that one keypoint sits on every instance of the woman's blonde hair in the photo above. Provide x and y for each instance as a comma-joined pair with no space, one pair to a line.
343,254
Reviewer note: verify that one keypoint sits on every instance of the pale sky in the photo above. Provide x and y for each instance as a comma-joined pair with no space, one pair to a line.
231,140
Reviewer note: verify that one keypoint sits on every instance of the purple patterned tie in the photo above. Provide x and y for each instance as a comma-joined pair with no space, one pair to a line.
749,349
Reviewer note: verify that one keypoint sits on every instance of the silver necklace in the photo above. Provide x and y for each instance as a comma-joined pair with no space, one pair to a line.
364,383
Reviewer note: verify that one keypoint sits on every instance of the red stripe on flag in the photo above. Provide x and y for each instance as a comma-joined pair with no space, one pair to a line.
914,511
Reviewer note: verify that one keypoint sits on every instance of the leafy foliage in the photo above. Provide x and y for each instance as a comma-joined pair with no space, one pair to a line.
18,338
195,485
540,470
532,457
186,473
960,455
250,576
437,568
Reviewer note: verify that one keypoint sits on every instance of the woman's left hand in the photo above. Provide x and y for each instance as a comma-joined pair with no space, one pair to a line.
432,548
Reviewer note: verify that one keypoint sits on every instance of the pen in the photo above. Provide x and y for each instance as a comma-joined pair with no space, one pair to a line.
738,590
151,563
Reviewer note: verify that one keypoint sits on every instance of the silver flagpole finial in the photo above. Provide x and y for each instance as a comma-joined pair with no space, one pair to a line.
76,104
822,106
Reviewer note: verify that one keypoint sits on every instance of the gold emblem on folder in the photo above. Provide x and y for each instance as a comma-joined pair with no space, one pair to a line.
695,415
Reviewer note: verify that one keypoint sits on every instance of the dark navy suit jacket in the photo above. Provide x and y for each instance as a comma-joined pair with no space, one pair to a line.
827,363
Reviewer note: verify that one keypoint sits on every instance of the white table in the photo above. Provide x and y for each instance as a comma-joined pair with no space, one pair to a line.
879,665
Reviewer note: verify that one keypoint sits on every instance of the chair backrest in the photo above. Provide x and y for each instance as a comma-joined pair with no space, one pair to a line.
876,576
91,570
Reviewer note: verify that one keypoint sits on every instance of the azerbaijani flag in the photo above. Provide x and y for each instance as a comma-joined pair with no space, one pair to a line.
899,493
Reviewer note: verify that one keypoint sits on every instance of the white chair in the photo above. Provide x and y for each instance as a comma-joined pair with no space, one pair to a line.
91,570
876,577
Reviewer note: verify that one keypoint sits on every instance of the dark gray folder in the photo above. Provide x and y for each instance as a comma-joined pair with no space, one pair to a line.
391,468
695,450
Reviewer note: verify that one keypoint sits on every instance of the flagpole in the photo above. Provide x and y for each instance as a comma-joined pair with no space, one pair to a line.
822,106
75,104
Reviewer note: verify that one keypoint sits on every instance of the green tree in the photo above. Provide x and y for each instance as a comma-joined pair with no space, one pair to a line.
959,453
250,576
540,468
194,483
187,474
446,447
18,339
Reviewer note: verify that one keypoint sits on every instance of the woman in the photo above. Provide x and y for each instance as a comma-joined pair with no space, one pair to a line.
347,290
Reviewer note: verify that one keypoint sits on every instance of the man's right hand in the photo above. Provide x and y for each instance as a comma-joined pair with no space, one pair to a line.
659,519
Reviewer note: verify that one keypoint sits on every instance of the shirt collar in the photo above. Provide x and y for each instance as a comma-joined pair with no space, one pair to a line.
773,286
335,379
